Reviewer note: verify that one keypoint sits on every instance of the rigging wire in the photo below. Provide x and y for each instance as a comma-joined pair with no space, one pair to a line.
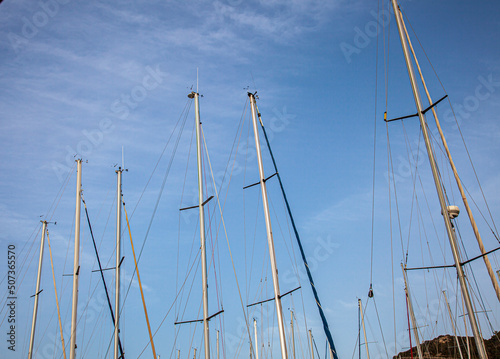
248,277
374,151
169,309
296,268
396,202
475,230
234,167
177,309
55,290
226,167
193,255
94,336
139,281
419,215
469,196
101,271
161,189
459,183
389,162
37,229
197,261
458,126
210,237
416,161
227,240
4,298
64,287
380,326
368,323
254,240
316,297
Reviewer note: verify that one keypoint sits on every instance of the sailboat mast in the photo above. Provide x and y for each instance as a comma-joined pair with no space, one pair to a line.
475,229
202,226
364,329
256,339
292,333
453,324
311,343
444,211
333,353
272,255
76,262
412,314
37,291
118,259
218,353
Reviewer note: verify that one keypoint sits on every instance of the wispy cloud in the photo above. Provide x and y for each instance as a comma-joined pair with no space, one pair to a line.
350,209
279,20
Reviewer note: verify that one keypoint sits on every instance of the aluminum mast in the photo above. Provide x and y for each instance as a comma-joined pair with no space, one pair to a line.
195,95
277,297
118,259
256,339
475,229
444,211
76,262
311,343
218,353
37,291
292,333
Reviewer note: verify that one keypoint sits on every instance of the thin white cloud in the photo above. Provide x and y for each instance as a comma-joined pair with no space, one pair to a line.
350,209
279,20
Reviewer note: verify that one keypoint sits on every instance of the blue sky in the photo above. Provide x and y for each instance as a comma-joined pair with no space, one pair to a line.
93,77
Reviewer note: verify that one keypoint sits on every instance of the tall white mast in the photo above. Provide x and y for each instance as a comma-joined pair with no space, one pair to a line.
292,333
272,255
118,258
76,263
444,210
256,339
412,314
195,95
475,229
218,351
311,343
37,291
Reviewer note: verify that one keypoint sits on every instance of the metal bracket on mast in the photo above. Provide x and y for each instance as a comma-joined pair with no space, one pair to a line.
34,295
453,265
110,268
416,114
479,311
200,320
265,180
192,207
271,299
70,275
